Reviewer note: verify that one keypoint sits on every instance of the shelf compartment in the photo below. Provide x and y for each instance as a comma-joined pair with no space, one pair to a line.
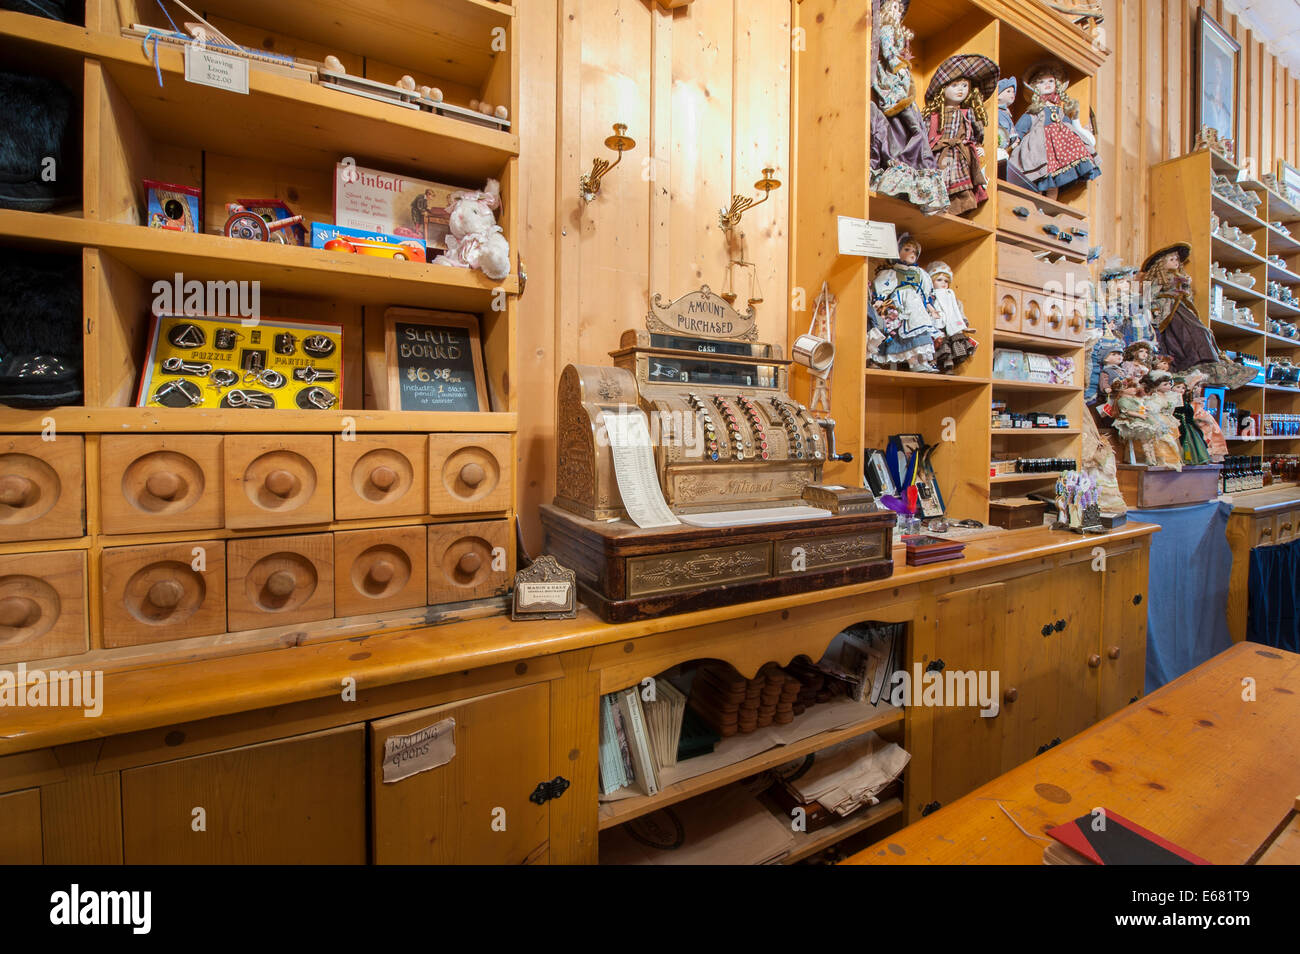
621,810
1277,309
1036,343
1003,385
1035,431
1226,253
933,231
124,420
1024,478
1283,275
922,379
1234,214
1231,288
1231,331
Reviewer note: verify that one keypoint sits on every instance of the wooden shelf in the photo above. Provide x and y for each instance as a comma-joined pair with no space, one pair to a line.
1275,340
1227,253
1052,345
1230,330
809,843
922,379
1050,206
1275,308
933,231
310,272
1281,388
617,812
1035,431
1004,385
121,420
1231,287
1281,242
1234,214
1283,275
1025,478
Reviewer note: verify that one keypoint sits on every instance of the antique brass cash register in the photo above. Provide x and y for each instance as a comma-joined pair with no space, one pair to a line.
726,474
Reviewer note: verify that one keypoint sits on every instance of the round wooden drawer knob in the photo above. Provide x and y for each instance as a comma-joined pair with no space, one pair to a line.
1113,653
471,475
470,563
382,571
17,612
280,482
383,477
164,485
1094,661
1011,695
281,583
16,491
165,594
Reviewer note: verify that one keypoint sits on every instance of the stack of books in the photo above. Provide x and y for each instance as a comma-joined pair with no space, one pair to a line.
640,729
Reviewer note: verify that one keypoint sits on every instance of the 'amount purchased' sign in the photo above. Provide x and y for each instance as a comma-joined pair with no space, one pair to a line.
435,362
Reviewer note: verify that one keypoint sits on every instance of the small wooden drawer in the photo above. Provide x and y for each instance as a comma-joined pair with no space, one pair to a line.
154,594
379,475
470,561
42,488
1265,531
279,481
276,581
469,473
1021,216
1033,317
42,605
150,483
1054,318
1285,529
1008,309
380,570
1076,325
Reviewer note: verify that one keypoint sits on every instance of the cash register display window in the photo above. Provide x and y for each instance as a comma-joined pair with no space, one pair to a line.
708,346
713,373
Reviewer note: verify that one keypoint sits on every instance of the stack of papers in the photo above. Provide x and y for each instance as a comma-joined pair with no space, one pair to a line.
847,776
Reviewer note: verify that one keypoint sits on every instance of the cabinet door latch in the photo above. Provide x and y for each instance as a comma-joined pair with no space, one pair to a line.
936,665
929,809
545,791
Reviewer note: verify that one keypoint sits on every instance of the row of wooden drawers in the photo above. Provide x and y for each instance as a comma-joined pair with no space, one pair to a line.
163,592
1033,313
1274,528
155,483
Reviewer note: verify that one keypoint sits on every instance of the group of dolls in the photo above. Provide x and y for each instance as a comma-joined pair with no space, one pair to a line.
933,155
1158,410
916,318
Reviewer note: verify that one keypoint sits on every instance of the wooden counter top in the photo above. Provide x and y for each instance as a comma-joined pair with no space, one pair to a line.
1264,501
1193,762
152,696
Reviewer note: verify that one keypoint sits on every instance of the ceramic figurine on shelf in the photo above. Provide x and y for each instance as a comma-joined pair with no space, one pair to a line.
955,121
1160,400
1055,148
1191,439
903,299
902,164
952,343
1170,301
1133,421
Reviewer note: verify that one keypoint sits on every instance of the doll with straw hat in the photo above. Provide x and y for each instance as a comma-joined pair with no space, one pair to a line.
955,122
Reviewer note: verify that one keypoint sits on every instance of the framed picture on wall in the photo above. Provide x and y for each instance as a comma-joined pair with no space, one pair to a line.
1216,79
1288,180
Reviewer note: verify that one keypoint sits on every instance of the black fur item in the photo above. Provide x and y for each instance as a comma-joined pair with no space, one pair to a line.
37,112
40,310
51,9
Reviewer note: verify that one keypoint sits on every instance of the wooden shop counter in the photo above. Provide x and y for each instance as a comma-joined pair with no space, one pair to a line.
283,749
1259,518
1194,762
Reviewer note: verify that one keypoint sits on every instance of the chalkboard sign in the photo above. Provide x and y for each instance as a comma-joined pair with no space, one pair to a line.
435,362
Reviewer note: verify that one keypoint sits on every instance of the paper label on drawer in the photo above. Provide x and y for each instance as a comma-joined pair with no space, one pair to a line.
870,239
634,468
407,755
221,70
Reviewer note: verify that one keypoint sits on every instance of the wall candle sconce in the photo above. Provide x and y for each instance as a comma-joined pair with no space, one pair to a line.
620,142
729,217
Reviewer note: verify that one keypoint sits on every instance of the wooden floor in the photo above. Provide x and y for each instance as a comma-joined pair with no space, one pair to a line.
1199,762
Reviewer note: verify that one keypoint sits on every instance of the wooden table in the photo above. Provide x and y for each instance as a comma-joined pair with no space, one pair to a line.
1192,762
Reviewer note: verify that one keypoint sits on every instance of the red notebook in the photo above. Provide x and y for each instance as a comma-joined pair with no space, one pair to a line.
1122,842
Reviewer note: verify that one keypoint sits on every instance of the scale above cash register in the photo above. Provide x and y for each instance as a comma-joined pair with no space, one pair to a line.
686,476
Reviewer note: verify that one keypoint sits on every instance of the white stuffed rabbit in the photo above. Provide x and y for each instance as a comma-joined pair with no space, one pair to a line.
474,239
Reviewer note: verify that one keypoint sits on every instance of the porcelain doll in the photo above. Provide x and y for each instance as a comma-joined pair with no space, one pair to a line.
1099,463
955,122
1055,149
1138,360
902,163
1192,441
1008,138
1110,370
1161,401
1170,301
1133,420
952,343
903,298
1215,443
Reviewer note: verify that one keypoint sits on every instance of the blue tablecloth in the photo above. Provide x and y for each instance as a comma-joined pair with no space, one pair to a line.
1187,596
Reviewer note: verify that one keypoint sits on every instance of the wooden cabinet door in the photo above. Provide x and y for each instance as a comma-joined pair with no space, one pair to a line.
1124,631
1076,625
20,828
474,808
297,801
967,747
1029,676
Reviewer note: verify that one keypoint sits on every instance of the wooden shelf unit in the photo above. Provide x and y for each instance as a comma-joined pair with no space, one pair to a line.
136,119
1183,201
833,93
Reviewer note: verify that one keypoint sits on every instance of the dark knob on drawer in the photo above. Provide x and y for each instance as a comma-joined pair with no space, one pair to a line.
1060,625
16,491
281,583
1011,695
1137,598
1021,212
165,594
383,477
1094,661
1047,629
164,485
1113,652
471,475
382,571
17,612
280,482
470,563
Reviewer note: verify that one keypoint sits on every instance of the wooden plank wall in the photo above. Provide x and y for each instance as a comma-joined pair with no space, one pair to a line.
705,92
1145,107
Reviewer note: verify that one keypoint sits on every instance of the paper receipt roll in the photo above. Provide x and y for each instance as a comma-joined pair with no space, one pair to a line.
634,468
